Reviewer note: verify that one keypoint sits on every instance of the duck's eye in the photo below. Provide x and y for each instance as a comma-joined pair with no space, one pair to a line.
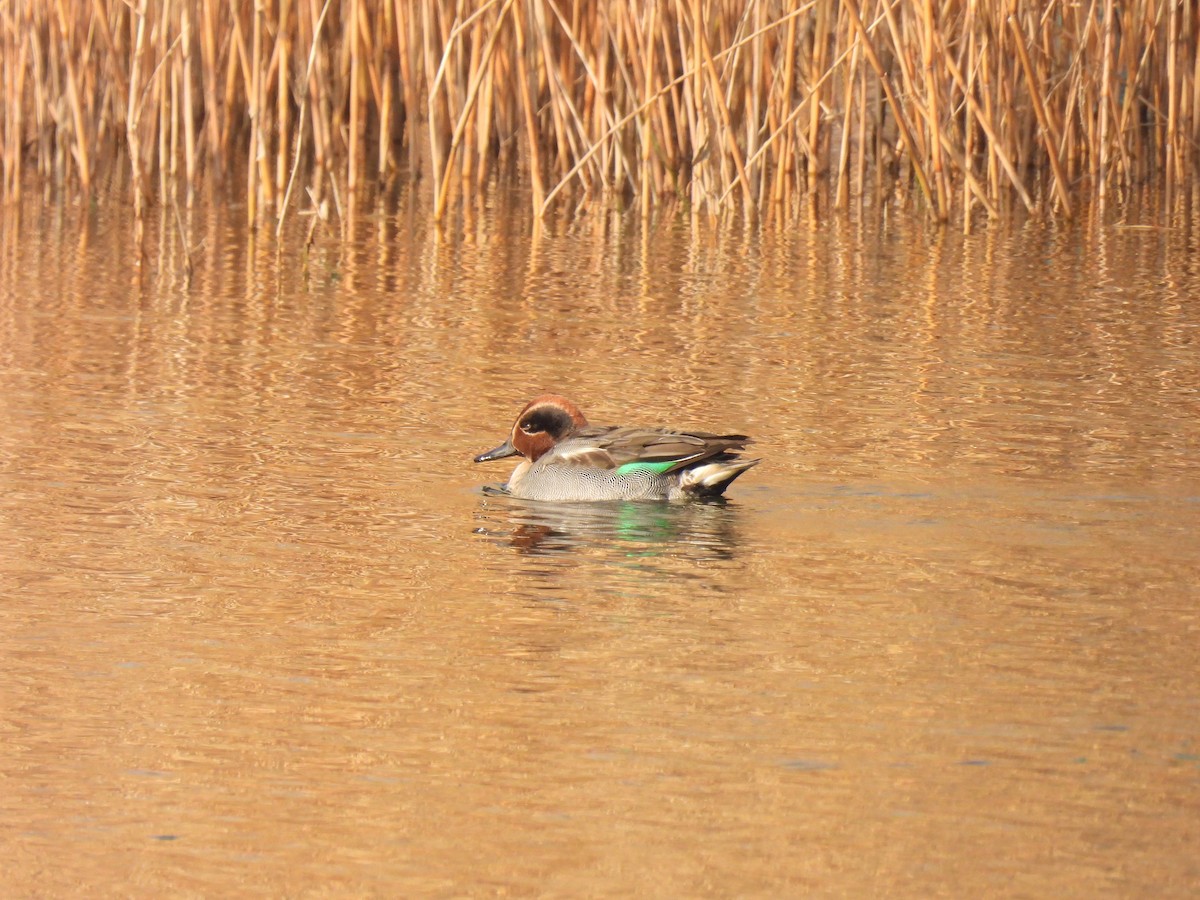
530,427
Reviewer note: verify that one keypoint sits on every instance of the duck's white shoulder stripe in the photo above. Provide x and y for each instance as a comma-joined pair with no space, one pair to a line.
592,457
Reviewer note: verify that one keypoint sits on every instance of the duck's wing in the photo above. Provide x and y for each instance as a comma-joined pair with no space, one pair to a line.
665,450
586,447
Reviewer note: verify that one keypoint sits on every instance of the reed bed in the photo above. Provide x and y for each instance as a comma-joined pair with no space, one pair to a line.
964,106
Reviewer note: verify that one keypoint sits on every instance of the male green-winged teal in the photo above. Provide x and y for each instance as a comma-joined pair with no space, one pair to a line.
568,460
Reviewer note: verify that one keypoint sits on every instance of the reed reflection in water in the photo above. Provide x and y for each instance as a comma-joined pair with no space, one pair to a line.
262,626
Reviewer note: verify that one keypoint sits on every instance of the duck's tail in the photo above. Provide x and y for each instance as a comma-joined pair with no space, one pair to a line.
711,477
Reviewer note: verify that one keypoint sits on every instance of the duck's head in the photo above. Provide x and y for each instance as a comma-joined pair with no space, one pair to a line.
543,422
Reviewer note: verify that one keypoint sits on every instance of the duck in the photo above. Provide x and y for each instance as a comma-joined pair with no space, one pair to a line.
568,460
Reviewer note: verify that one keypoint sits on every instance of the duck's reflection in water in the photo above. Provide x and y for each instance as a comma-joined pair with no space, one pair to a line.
647,530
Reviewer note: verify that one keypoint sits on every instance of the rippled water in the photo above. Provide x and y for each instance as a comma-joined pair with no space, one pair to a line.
264,630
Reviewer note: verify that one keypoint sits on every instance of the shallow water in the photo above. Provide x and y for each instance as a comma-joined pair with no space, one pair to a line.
265,631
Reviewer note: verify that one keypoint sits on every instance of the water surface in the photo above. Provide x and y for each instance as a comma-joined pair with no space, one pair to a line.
264,631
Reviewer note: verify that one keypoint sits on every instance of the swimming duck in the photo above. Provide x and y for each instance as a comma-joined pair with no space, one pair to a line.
568,460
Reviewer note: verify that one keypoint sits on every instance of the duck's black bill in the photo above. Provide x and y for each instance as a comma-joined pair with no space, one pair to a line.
505,449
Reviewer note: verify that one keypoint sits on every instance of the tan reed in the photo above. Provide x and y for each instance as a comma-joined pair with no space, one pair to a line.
960,106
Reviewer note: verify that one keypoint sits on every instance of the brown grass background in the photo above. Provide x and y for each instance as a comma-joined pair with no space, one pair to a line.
965,107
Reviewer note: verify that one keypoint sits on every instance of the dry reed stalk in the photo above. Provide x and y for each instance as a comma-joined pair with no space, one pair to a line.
1191,137
15,56
385,110
784,155
885,83
134,107
733,151
190,149
434,101
908,83
316,92
283,101
842,198
1048,131
816,70
1100,169
168,141
733,105
252,74
527,107
794,114
406,40
998,153
208,70
355,94
442,188
78,141
932,88
316,32
645,132
159,93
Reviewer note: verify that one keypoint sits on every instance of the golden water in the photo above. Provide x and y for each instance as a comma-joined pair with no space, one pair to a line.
263,633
